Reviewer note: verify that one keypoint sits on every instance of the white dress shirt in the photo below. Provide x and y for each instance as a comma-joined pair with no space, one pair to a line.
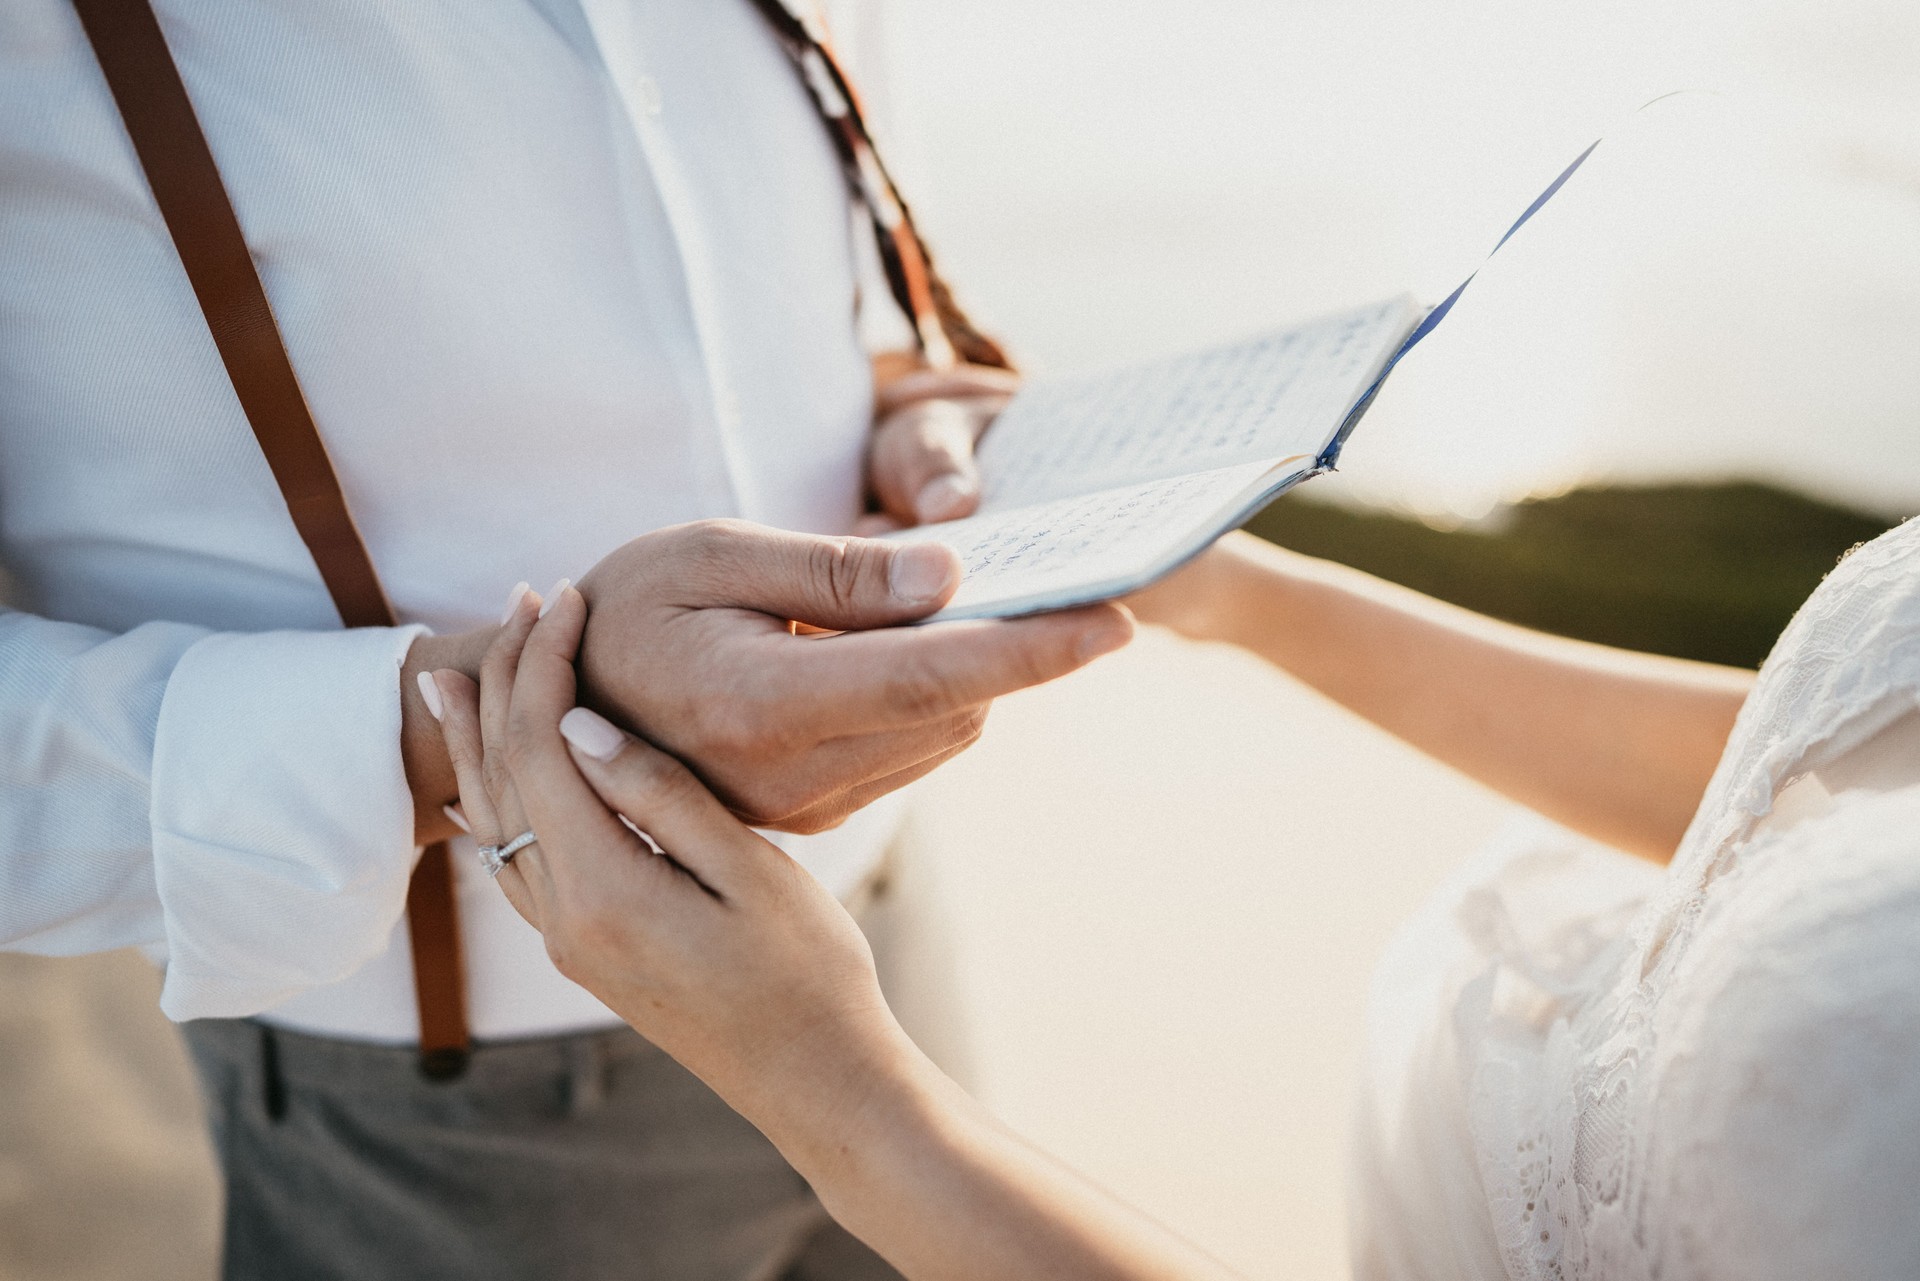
553,273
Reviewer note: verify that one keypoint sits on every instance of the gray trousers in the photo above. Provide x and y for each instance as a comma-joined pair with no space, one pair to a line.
573,1158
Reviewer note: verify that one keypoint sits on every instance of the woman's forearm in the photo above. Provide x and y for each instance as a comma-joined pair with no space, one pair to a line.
1616,744
934,1183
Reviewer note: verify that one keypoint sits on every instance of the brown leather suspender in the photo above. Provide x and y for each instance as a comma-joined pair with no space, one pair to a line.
194,203
186,184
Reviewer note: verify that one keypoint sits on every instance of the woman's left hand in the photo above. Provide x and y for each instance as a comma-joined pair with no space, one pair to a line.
725,953
707,938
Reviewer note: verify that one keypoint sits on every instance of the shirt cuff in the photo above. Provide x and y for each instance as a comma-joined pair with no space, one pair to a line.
282,820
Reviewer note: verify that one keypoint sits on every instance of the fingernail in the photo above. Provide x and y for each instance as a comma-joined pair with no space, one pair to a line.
458,819
944,497
920,572
1104,638
513,601
592,733
430,695
554,595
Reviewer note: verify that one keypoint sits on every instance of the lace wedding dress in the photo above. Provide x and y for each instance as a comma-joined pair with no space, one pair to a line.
1584,1067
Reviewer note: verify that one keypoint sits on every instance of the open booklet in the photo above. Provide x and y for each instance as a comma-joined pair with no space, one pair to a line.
1096,486
1093,487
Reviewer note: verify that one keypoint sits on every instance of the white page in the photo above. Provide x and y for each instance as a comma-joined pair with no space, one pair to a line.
1277,396
1090,546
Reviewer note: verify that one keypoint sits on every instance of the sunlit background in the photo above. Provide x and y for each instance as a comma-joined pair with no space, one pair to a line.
1140,917
1731,288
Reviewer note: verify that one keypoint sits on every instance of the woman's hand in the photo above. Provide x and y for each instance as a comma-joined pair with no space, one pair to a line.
706,938
1193,600
727,955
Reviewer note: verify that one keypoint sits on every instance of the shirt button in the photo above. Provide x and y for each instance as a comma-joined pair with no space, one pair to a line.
646,96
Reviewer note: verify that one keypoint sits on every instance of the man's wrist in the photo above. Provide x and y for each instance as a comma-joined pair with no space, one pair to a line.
423,750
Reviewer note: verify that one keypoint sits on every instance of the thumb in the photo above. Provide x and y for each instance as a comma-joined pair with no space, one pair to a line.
840,584
922,462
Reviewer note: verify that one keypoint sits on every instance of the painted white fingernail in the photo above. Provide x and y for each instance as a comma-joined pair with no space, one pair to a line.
513,601
458,819
943,498
592,733
554,595
430,695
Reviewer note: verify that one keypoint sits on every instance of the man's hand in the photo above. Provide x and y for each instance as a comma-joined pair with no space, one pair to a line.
920,465
688,644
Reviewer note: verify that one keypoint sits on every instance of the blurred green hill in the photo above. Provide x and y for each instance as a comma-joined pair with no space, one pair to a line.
1711,572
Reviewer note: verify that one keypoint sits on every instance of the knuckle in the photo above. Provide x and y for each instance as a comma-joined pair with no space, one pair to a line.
573,946
785,799
563,954
516,753
665,781
494,772
460,754
496,663
798,810
733,729
758,815
834,566
594,933
812,823
773,802
711,535
1040,665
1040,660
705,547
973,722
762,808
652,783
584,927
918,693
524,726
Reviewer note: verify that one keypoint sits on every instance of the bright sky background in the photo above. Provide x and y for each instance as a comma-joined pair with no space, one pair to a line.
1731,288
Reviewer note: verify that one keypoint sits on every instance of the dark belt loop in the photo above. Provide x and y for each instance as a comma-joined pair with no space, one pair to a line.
273,1086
